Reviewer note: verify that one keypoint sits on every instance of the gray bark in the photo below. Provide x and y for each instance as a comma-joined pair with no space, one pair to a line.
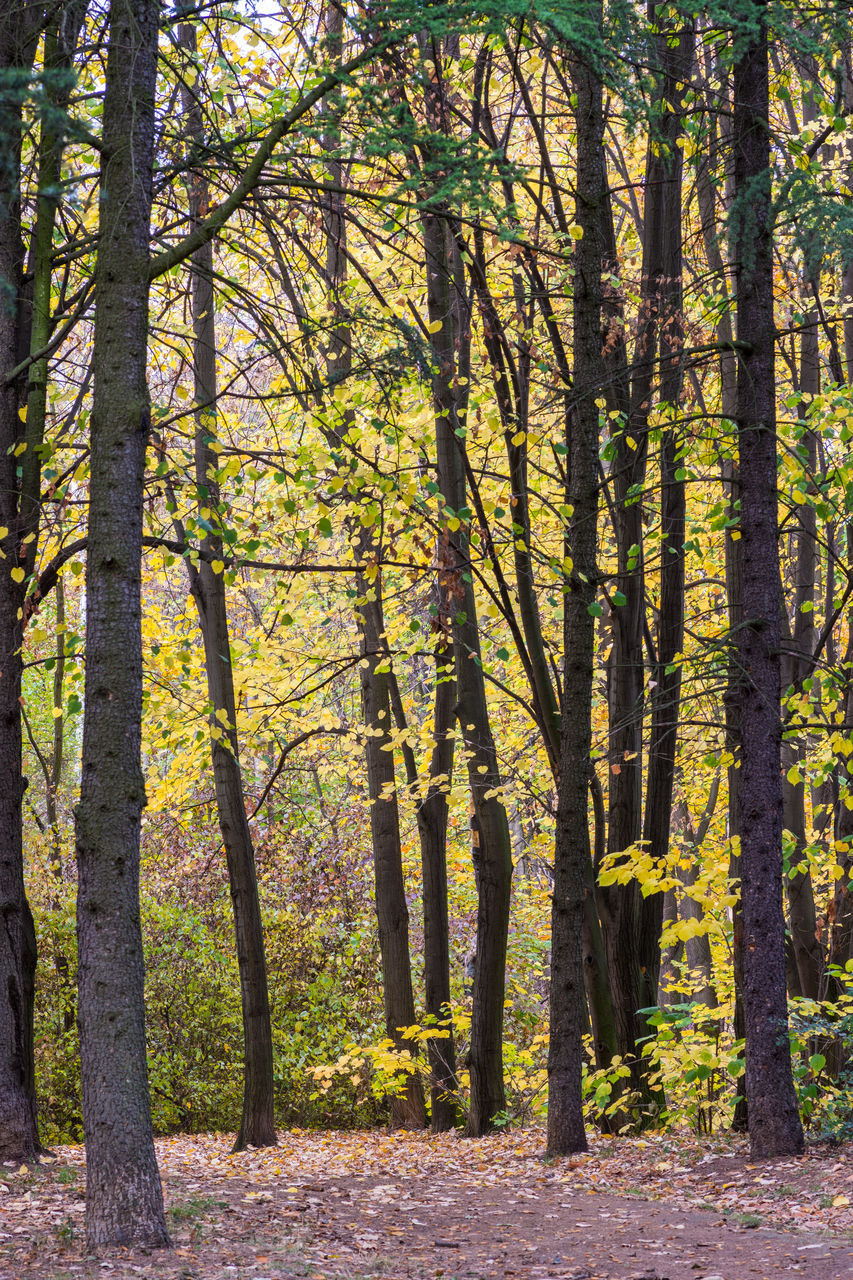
124,1199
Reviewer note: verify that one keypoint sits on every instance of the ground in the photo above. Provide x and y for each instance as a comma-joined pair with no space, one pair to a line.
347,1206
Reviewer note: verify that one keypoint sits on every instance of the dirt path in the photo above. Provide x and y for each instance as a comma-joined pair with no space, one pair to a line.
343,1207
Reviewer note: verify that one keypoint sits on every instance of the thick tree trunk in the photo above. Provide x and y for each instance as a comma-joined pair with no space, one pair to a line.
774,1121
257,1123
124,1199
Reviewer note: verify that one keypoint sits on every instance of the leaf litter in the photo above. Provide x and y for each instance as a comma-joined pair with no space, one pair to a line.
353,1206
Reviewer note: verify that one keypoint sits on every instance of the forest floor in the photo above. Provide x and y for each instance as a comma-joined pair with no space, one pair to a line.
353,1206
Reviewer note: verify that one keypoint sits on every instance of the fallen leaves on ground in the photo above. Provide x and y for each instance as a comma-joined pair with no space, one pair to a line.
330,1203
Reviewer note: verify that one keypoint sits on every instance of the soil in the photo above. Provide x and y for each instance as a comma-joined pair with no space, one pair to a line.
353,1206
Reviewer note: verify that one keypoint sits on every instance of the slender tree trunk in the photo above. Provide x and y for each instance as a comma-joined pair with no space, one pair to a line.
432,812
512,390
707,201
632,924
596,978
697,950
490,827
124,1199
841,934
663,244
57,755
571,849
257,1123
432,817
774,1122
798,644
19,1140
407,1106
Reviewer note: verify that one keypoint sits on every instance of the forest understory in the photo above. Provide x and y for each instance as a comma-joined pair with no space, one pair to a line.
426,637
347,1206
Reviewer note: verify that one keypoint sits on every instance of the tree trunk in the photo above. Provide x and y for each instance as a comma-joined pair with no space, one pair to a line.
707,201
407,1106
840,948
375,675
257,1123
798,644
663,246
697,950
124,1199
19,1140
490,833
596,978
432,815
571,849
774,1122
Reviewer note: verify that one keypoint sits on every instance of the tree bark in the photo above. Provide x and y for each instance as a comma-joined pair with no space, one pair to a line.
774,1122
707,201
571,849
375,676
20,25
407,1106
124,1199
257,1123
799,639
663,244
490,826
432,814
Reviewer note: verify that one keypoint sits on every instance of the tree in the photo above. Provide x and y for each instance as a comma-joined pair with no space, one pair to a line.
774,1123
19,29
571,848
207,586
25,326
124,1198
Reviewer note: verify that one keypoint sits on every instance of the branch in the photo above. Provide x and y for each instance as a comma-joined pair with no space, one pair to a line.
291,746
207,229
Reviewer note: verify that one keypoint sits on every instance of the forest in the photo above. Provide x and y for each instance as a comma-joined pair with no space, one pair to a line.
426,575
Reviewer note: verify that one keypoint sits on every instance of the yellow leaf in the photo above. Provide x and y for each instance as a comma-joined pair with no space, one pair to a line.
435,327
217,566
840,1201
18,574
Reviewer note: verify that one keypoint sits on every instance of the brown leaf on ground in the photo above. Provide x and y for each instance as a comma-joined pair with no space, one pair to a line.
342,1206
